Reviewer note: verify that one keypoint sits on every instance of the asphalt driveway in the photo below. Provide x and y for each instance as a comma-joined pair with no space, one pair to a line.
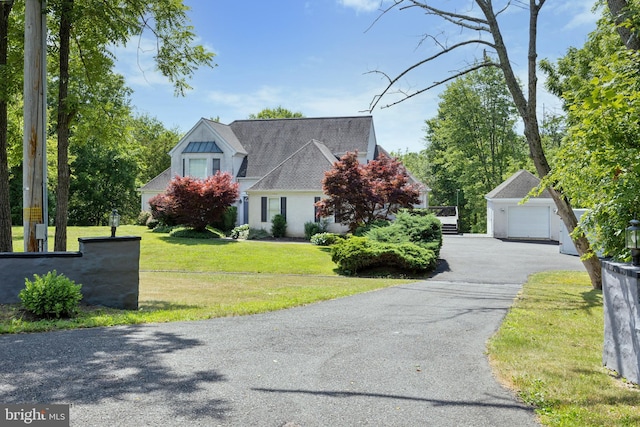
411,355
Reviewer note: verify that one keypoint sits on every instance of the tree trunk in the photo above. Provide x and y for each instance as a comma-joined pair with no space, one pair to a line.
62,128
6,244
618,9
527,109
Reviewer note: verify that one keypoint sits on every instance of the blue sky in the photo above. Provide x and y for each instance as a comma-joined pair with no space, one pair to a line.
314,57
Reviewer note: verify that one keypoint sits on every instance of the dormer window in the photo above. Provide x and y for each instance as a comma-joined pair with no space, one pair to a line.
201,159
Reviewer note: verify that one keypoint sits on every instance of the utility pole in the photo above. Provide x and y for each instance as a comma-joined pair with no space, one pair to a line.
34,147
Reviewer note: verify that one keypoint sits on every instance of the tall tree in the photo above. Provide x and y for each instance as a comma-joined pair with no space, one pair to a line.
360,194
495,54
599,86
93,25
472,145
153,142
276,113
5,208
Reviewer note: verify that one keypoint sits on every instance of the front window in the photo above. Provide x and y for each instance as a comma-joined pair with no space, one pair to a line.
197,168
274,207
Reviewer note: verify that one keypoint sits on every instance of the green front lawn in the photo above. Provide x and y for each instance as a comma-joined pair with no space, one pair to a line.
549,349
192,279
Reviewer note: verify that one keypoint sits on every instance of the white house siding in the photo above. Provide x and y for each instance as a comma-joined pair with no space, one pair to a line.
300,210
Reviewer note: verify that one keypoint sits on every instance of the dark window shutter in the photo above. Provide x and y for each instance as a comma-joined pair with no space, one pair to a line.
315,209
283,207
264,209
183,167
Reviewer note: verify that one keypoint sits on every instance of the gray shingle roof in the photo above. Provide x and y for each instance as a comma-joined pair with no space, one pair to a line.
159,183
268,141
228,135
303,170
517,186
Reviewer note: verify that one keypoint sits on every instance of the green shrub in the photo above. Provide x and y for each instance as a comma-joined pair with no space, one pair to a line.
152,223
313,228
190,233
228,220
360,253
51,295
143,217
160,228
240,232
258,234
363,229
278,226
325,239
420,229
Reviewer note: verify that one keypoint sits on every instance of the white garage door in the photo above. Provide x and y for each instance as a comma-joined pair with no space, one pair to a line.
528,222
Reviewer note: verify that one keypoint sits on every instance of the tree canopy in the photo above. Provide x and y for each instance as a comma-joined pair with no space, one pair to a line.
276,113
599,161
362,193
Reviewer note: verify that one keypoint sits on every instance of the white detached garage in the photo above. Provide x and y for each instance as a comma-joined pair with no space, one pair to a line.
508,219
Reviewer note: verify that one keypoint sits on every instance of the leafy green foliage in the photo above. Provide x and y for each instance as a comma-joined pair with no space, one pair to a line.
143,217
278,226
598,165
472,144
360,253
311,228
51,295
104,178
360,194
194,202
422,230
276,113
228,220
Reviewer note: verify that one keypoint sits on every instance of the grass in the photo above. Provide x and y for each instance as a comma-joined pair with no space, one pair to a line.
193,279
549,349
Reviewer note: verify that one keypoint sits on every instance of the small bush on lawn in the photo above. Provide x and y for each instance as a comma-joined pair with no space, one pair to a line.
360,253
143,217
325,239
228,220
152,223
51,295
240,232
422,230
313,228
258,234
278,226
190,233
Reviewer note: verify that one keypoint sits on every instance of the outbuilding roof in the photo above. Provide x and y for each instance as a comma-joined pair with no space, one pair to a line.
517,186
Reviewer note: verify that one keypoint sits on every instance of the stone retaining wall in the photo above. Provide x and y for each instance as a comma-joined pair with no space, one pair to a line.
621,292
106,267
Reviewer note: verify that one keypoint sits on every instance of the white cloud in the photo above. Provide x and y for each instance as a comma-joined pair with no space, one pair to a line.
361,5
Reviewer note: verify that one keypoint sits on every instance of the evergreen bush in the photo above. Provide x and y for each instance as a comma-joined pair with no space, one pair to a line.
278,226
360,253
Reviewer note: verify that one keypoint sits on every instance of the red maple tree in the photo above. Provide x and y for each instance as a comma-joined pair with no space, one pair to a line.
195,202
359,194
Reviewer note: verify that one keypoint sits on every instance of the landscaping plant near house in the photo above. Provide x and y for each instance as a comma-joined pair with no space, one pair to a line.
278,226
51,295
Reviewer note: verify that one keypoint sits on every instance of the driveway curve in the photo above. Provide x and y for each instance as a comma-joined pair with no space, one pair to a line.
412,355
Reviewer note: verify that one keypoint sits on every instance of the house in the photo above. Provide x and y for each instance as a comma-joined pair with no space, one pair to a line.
279,164
508,218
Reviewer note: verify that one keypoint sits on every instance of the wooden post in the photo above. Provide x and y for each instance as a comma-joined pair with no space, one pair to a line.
34,182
